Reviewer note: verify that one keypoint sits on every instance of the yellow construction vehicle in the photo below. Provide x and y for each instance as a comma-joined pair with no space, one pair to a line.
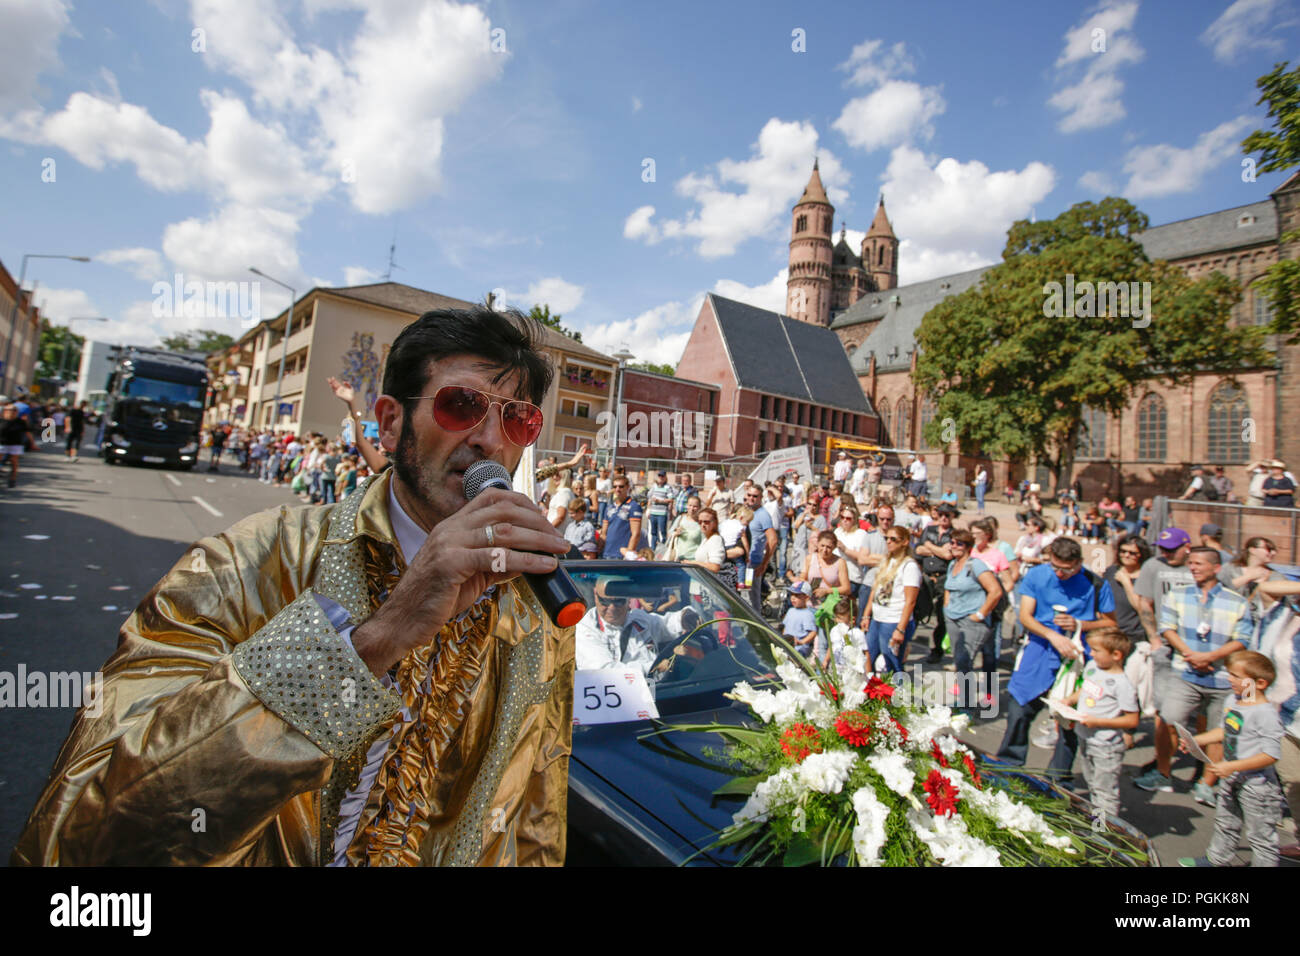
872,452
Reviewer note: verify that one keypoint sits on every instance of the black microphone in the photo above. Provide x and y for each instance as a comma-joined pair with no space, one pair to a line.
558,595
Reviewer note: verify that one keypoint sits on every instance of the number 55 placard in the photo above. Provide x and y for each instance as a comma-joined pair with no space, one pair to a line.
611,697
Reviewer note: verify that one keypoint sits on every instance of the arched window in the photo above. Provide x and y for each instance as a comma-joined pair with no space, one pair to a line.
1092,434
884,424
1263,308
880,256
903,434
1152,427
801,223
928,411
1228,413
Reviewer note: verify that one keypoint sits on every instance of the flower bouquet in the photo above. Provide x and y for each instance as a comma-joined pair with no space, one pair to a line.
845,768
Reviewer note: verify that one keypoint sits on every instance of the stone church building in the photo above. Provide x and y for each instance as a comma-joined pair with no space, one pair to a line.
1146,450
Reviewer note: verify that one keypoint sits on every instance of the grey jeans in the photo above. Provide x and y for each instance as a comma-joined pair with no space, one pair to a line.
1102,762
1253,804
968,637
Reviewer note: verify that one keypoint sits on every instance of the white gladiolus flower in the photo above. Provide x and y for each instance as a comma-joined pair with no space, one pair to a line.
947,744
895,771
950,842
777,790
869,834
1010,815
826,772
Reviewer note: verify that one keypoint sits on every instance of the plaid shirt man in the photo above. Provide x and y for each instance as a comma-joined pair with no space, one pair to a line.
1206,623
679,505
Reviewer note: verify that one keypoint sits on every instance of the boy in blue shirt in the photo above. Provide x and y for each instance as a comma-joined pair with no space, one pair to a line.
1088,604
799,625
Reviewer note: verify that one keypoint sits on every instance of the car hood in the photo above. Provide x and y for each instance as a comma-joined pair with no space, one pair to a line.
670,776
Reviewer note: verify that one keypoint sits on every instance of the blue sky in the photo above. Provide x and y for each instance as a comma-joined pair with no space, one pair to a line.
504,144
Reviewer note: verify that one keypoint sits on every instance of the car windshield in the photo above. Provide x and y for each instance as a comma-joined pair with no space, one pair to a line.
677,624
163,392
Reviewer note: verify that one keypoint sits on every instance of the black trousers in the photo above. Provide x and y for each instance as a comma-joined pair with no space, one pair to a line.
934,585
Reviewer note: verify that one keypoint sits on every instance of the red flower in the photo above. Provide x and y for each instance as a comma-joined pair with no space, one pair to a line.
800,741
834,694
878,689
938,754
970,768
940,794
855,727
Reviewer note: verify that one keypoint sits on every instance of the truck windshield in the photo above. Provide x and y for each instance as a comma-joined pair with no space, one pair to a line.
158,390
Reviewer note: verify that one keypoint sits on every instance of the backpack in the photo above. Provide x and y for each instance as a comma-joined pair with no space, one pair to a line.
1208,492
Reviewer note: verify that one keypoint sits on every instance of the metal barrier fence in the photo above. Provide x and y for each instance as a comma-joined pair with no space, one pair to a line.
1239,524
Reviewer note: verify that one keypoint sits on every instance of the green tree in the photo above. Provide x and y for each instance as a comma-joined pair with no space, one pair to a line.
1012,379
200,340
542,313
1279,150
59,349
662,369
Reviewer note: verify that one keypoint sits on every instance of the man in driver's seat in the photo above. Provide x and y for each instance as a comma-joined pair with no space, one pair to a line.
612,634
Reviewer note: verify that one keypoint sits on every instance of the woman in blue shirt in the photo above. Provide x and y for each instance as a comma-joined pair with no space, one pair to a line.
970,593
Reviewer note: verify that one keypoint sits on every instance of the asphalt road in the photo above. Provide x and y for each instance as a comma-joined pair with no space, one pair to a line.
84,543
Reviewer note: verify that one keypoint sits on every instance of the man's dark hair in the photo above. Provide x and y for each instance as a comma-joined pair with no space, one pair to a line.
1211,553
508,339
1065,549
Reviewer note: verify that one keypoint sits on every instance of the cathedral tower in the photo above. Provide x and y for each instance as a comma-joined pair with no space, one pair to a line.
808,288
880,251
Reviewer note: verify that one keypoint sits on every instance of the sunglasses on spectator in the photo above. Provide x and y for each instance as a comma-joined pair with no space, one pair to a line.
610,602
458,408
1065,569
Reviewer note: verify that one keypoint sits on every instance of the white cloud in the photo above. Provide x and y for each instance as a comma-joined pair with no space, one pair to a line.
1105,42
29,46
899,112
636,104
770,182
225,244
59,305
657,335
359,275
1242,27
770,295
1163,169
955,215
869,66
1098,182
562,297
140,262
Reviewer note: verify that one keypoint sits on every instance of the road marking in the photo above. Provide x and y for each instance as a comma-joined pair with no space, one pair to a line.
207,507
173,479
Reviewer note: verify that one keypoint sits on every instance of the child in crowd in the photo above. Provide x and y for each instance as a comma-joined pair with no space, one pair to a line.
1109,704
1250,794
842,634
798,624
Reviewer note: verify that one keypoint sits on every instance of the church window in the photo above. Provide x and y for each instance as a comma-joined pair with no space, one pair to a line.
903,423
884,423
1263,309
826,224
1092,434
880,256
801,223
1228,412
928,411
1152,427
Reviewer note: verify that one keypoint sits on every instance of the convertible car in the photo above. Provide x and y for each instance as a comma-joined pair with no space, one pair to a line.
638,797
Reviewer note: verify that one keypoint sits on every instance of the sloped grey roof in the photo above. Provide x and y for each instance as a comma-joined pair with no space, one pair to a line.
844,255
783,356
1212,232
897,329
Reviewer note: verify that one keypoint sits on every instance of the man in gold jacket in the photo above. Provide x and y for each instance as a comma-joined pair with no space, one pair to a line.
363,684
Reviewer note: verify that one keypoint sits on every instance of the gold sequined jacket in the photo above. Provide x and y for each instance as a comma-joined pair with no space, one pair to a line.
234,717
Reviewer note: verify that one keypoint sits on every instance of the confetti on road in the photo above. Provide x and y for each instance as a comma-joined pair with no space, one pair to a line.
211,481
120,587
8,617
109,607
41,597
94,567
28,587
64,597
37,537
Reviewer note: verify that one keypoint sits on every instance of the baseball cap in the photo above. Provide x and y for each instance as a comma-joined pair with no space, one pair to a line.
663,474
1171,539
1213,530
1277,463
947,509
799,587
843,455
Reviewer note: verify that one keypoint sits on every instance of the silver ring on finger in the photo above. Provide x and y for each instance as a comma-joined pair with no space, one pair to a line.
491,536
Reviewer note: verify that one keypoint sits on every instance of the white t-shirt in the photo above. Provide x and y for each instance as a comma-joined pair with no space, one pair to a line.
919,472
773,509
891,611
561,499
712,551
796,495
731,530
842,468
857,540
599,646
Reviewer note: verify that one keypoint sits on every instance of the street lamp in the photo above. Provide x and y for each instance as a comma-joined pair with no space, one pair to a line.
63,359
13,312
623,356
288,330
